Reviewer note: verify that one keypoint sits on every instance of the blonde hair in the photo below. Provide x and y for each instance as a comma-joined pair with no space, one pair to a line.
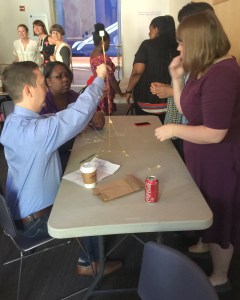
204,40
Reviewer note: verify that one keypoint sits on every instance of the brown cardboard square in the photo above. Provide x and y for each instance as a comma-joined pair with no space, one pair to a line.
118,188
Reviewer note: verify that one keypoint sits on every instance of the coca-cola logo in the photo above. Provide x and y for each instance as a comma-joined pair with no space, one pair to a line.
148,192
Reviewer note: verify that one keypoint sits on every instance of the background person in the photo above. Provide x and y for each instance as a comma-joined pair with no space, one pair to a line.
58,78
31,141
107,104
211,137
45,43
25,48
172,113
166,91
62,51
151,65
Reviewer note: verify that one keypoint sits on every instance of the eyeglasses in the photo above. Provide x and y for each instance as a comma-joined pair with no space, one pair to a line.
61,76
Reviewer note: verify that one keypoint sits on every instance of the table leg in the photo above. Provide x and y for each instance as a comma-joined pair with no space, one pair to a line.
91,288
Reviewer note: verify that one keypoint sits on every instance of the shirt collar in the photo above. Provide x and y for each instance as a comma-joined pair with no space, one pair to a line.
25,112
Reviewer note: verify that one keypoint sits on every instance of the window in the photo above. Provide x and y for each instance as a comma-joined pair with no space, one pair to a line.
78,18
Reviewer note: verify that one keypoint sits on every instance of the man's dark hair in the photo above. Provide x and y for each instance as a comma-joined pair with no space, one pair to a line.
193,8
16,76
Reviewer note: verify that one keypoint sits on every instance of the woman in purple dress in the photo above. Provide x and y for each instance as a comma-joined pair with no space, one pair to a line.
211,103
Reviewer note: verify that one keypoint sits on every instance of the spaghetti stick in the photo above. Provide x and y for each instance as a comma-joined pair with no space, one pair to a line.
102,33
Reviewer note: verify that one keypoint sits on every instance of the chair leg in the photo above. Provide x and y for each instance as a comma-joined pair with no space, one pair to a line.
2,256
131,109
19,276
2,249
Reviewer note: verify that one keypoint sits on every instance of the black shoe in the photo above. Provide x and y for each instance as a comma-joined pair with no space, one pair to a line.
223,288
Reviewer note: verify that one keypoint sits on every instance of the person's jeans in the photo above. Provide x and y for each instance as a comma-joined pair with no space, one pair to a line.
90,251
38,227
34,228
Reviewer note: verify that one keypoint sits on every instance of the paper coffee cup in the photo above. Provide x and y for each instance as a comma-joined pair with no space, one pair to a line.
89,175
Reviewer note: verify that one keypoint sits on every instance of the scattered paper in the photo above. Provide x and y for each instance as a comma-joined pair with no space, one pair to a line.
104,169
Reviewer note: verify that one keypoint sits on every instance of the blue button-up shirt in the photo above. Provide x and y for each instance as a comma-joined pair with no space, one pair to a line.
30,145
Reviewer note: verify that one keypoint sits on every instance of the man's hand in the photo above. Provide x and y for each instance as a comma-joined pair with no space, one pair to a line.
165,132
101,71
98,120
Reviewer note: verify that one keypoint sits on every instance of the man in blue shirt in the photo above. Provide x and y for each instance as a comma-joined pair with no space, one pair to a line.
31,141
31,145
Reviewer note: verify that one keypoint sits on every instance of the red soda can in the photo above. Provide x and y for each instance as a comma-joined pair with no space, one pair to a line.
151,189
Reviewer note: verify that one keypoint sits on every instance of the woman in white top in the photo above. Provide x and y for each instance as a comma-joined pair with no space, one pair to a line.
62,50
25,48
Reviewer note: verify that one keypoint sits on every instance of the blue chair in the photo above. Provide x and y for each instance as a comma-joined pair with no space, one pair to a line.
25,245
167,274
7,108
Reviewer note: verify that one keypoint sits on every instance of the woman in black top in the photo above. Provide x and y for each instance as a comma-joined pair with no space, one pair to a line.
46,43
151,65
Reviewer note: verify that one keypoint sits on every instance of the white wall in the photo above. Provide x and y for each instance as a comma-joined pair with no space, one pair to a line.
136,16
175,6
228,13
11,16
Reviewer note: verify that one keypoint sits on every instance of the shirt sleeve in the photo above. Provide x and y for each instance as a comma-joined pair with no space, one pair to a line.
37,57
55,130
141,55
14,48
219,93
66,54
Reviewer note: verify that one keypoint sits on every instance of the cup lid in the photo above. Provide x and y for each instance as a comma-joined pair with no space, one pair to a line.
88,167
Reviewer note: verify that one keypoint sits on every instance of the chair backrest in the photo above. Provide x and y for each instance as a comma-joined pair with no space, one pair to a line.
7,108
167,274
6,220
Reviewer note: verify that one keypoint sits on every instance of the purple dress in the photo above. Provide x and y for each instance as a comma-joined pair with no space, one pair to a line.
50,106
214,101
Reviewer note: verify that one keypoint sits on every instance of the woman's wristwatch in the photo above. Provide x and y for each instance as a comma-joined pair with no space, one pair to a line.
128,92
